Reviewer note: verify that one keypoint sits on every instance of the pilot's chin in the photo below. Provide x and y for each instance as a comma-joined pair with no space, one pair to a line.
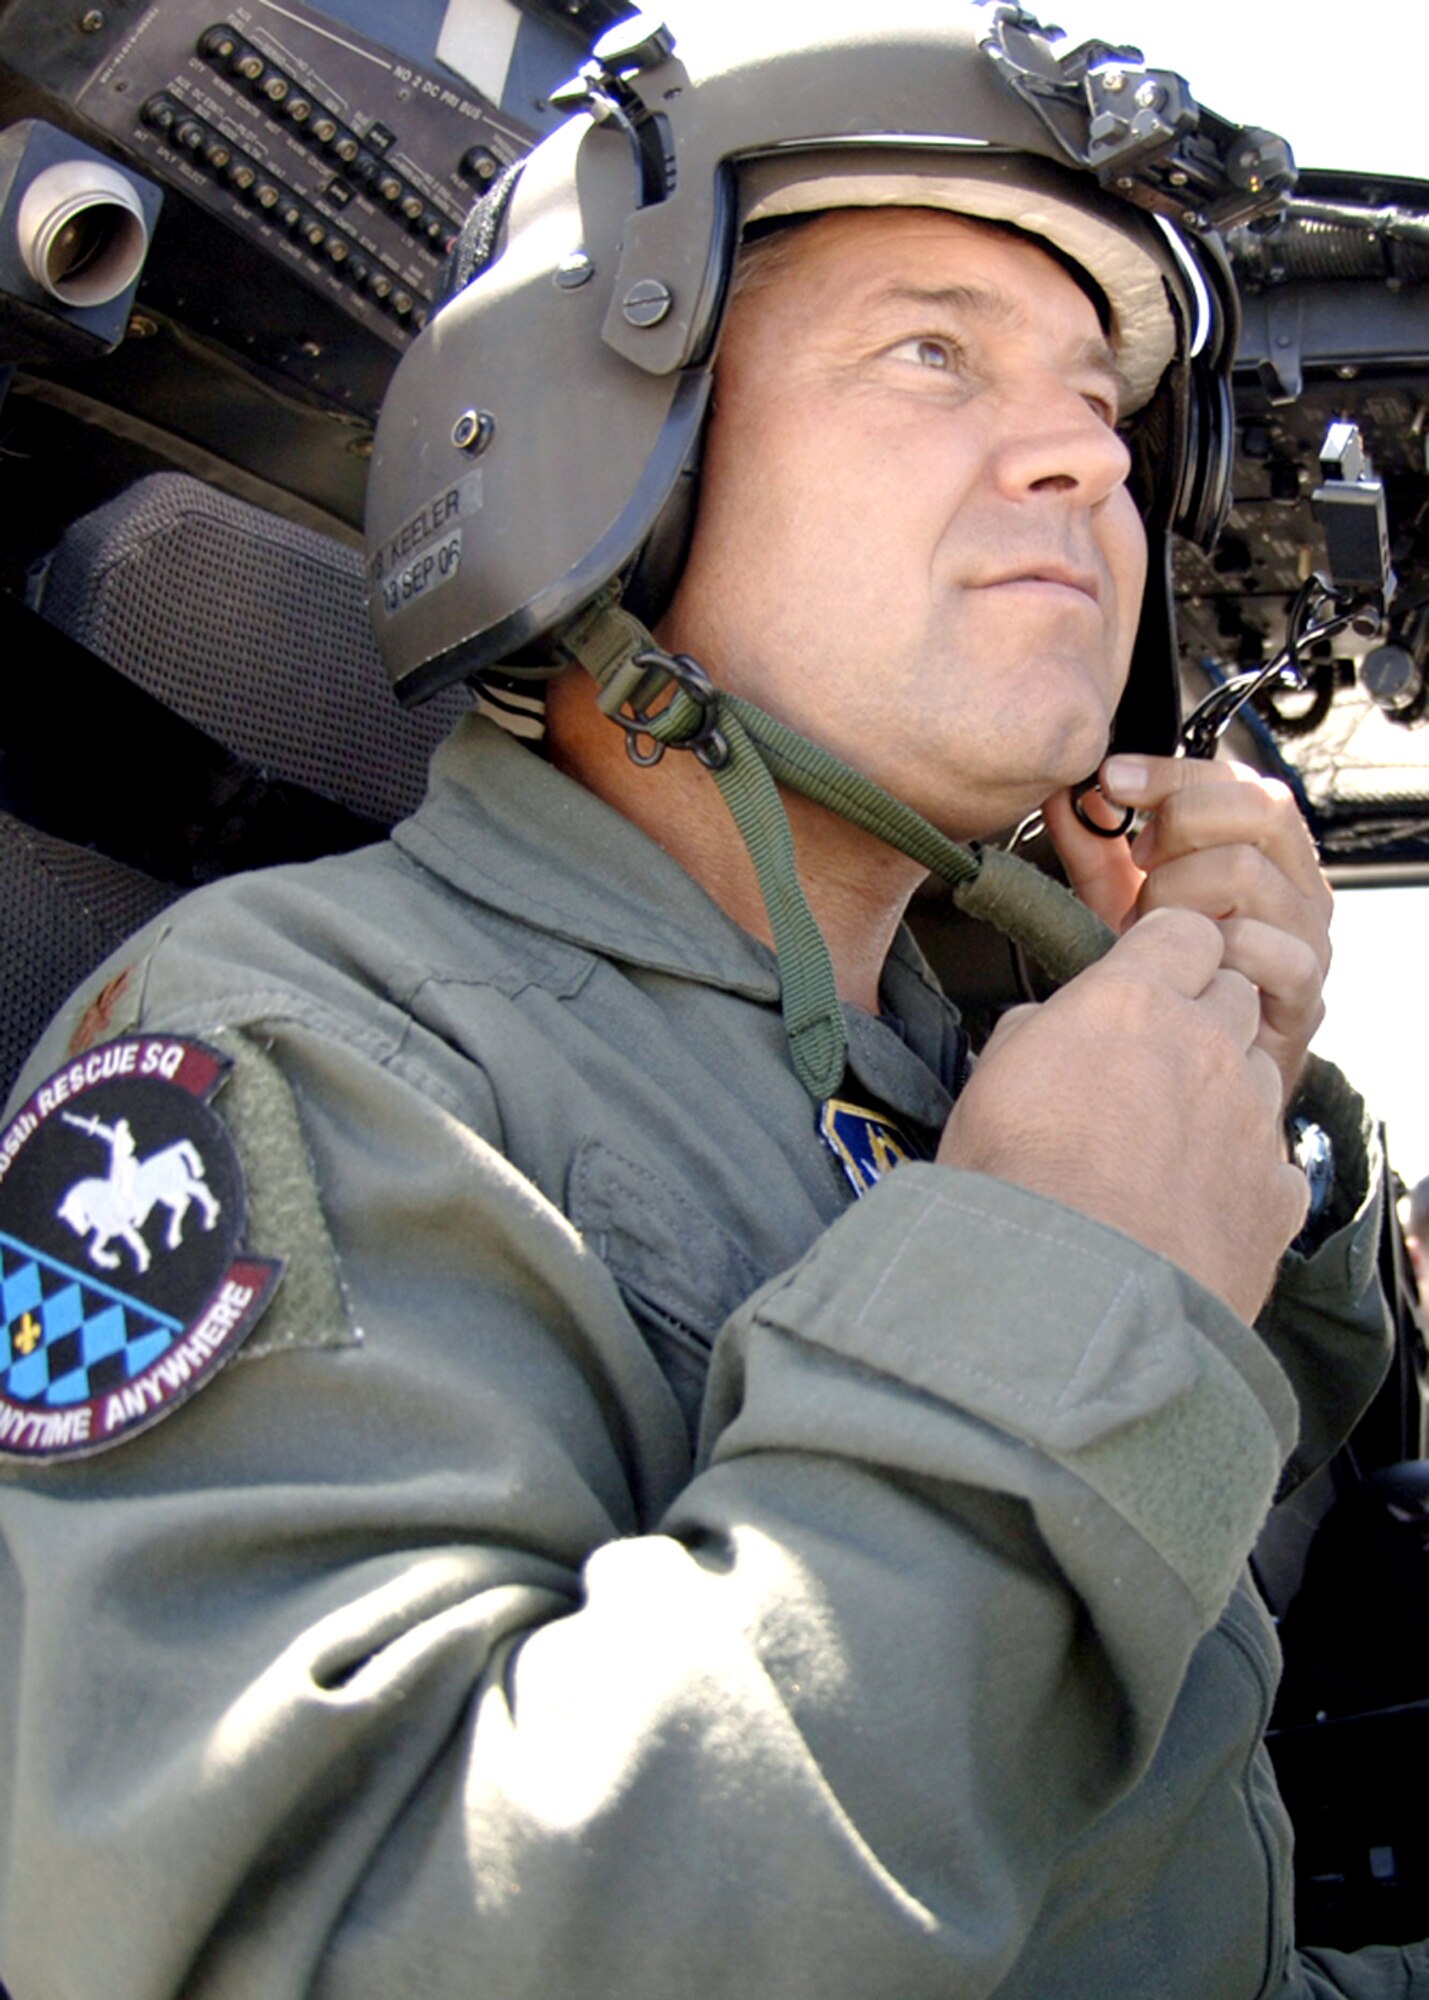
1081,746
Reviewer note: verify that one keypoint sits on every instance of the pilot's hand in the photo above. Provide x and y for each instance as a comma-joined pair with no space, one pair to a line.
1142,1095
1232,844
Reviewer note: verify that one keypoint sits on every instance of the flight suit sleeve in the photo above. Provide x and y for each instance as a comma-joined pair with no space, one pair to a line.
1327,1321
413,1655
1375,1972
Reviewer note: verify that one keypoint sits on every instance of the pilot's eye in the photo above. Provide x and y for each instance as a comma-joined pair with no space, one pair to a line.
928,351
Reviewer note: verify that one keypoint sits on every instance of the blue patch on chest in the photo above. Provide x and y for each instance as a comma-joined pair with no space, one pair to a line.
866,1144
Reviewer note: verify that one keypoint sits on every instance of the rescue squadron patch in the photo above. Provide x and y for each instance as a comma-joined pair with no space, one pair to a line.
123,1284
865,1143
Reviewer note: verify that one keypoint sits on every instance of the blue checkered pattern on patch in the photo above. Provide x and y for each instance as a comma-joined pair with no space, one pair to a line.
64,1336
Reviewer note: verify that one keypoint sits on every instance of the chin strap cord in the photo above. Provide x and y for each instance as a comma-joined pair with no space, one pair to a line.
750,754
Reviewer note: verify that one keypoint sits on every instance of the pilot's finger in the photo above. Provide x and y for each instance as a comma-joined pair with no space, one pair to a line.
1195,805
1285,969
1234,1004
1240,882
1100,871
1179,948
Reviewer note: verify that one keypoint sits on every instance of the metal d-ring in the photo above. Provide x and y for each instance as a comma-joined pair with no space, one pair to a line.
1123,825
707,740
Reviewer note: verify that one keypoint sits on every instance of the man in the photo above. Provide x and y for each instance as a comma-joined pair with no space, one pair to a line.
950,391
618,1560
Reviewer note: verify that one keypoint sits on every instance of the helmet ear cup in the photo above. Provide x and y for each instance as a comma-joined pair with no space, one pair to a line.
1148,716
650,583
1204,498
1182,453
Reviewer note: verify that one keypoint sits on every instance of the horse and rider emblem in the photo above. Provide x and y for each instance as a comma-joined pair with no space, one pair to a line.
123,1281
117,1207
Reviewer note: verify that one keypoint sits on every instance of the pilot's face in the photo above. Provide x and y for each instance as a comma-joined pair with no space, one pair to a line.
914,542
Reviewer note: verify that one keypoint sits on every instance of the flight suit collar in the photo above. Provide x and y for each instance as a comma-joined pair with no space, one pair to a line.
506,828
912,1057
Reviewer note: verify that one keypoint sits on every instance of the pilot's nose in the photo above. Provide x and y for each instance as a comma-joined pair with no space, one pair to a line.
1057,442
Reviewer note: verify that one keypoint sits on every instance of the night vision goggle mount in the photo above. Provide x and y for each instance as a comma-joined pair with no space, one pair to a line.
1139,130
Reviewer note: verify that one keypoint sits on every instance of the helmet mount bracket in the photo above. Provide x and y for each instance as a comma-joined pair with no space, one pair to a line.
1139,130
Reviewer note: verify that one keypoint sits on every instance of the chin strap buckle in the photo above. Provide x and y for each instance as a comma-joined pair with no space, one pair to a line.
663,701
1079,806
689,720
752,755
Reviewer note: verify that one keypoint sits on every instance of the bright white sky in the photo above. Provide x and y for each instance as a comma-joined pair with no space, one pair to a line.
1374,1027
1345,85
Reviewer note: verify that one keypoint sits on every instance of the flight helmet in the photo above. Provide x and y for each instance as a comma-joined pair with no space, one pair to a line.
539,443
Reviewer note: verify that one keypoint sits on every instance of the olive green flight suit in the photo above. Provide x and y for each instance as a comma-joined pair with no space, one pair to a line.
620,1563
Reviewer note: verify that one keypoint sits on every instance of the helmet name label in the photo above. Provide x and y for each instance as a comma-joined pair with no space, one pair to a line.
424,573
463,496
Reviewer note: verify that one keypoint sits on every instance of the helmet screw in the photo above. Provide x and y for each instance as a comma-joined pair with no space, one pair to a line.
647,302
574,270
473,431
1149,96
1113,80
1178,177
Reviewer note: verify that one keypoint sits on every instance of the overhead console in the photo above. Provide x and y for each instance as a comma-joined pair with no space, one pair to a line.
303,172
343,163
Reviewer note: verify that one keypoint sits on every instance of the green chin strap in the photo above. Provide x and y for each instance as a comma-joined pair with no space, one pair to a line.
750,755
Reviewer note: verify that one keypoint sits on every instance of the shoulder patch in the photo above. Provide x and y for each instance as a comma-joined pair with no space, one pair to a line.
123,1282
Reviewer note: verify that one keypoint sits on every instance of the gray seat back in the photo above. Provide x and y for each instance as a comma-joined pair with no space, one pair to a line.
251,627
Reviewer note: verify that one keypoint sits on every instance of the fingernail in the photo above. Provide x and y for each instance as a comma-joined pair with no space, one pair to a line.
1126,776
